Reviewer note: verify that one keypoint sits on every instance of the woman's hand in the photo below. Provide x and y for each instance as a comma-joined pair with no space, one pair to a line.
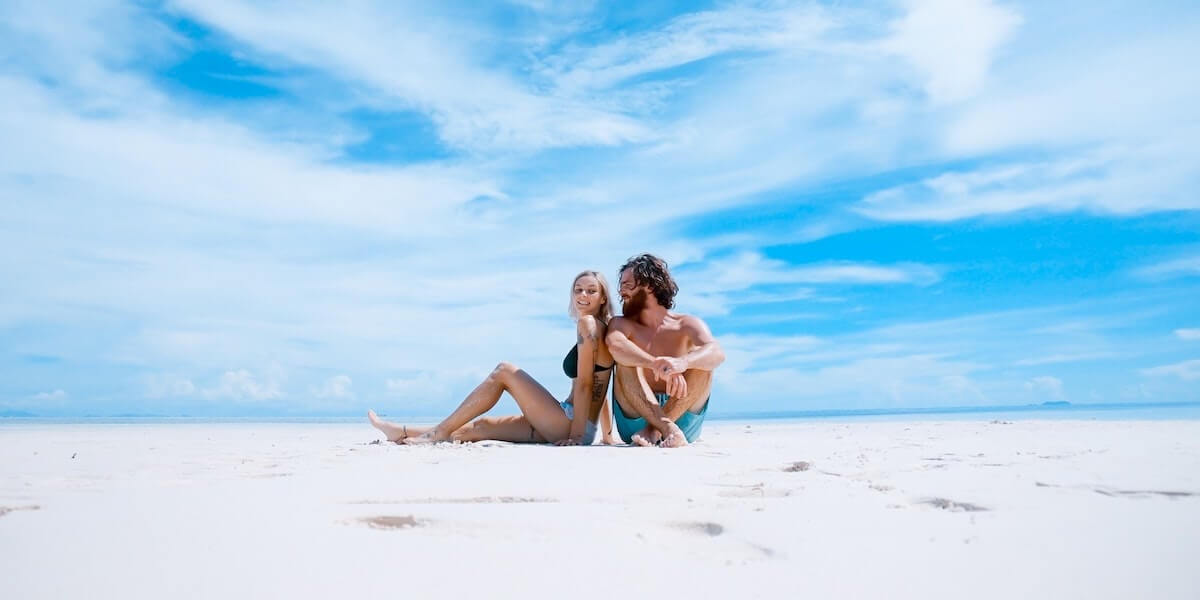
571,441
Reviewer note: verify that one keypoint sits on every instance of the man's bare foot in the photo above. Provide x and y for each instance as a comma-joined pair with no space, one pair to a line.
394,431
674,439
648,436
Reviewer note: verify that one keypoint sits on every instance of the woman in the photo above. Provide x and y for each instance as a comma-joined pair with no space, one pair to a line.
542,418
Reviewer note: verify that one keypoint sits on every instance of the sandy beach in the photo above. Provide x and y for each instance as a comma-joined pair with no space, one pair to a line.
979,509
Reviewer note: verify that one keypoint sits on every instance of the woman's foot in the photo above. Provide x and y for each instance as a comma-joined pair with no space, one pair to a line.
395,432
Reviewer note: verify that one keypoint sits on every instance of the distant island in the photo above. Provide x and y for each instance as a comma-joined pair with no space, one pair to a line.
1056,403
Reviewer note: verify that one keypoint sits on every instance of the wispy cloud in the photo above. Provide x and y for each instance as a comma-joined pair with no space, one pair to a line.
1188,334
1185,266
687,39
1064,358
1100,182
54,396
1187,370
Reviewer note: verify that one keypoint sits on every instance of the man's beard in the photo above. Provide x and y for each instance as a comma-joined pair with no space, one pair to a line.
632,307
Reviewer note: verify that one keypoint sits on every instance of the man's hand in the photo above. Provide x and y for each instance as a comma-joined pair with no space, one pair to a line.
665,366
676,386
670,369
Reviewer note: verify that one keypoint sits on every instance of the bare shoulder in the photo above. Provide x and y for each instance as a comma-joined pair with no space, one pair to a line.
620,324
694,327
589,327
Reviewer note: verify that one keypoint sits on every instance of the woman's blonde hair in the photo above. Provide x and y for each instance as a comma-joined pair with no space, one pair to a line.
605,312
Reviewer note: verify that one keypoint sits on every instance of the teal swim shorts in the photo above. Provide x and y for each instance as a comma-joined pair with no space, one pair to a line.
690,422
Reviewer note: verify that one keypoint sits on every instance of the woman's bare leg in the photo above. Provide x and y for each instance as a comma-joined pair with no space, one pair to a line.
537,405
513,428
395,432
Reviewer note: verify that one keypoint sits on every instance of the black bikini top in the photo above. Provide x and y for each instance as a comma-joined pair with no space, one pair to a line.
571,363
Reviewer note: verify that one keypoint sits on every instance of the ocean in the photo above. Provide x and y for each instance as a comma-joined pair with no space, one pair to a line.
1111,412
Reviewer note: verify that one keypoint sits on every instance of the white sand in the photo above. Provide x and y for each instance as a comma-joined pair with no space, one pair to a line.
884,510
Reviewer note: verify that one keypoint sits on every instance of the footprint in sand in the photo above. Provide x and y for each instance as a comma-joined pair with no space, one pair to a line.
1115,493
753,491
392,522
797,467
475,500
703,527
712,530
953,505
4,510
1145,493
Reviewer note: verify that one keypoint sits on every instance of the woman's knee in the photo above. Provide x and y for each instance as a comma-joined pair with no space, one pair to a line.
504,372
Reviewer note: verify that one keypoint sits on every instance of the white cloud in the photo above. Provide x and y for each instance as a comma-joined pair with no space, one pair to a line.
440,74
951,43
212,166
337,387
1046,386
242,385
1144,96
1063,358
50,397
1187,370
1188,334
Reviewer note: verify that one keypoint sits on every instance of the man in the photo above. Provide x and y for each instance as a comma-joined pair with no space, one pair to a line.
664,360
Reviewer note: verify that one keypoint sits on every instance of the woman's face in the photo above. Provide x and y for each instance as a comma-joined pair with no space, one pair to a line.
587,295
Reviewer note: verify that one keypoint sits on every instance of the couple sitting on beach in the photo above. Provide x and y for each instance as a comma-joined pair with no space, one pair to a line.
661,363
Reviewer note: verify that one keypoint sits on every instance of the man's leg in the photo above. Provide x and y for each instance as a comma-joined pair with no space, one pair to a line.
688,411
639,416
629,400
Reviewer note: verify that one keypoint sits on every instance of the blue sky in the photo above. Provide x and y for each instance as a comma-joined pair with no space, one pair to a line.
221,207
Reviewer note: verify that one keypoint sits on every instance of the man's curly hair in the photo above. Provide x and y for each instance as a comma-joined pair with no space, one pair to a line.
651,271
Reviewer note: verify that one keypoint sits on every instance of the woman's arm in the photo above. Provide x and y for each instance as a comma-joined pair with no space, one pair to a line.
587,336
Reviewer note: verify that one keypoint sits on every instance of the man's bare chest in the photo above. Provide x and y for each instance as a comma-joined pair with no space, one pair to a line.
660,342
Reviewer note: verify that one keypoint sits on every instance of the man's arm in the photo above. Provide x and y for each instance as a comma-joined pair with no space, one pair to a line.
705,354
624,351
